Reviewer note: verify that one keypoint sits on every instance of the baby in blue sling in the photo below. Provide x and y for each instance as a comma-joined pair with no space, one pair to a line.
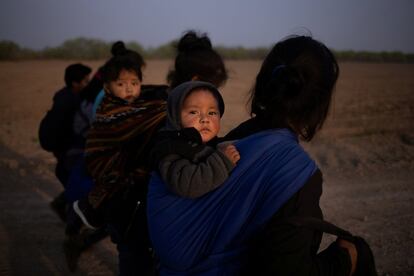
186,154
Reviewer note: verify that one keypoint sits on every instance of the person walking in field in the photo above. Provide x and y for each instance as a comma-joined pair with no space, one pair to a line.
251,225
56,132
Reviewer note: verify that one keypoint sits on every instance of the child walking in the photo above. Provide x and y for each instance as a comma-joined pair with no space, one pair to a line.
185,154
56,133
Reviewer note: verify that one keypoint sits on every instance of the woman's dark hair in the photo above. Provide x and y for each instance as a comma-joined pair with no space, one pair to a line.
197,58
114,66
294,86
119,49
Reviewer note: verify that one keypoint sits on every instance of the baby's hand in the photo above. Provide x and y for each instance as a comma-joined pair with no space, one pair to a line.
231,152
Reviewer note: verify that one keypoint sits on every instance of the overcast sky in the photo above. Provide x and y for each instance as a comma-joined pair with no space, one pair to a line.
375,25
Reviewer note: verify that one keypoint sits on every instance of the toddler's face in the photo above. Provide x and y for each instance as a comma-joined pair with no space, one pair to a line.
200,110
127,86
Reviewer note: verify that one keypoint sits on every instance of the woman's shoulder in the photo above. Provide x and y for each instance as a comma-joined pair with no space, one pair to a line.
269,138
243,130
276,146
254,126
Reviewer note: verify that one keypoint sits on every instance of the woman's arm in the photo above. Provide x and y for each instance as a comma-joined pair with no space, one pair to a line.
284,249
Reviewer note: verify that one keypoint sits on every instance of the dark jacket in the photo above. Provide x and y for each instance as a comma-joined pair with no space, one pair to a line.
56,128
189,167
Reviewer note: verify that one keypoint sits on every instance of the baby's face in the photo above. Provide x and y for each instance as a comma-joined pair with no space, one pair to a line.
127,86
200,110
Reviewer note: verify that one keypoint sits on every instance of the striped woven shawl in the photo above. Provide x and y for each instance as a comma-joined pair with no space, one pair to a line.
118,144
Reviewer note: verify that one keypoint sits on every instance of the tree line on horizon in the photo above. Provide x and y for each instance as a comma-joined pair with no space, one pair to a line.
95,49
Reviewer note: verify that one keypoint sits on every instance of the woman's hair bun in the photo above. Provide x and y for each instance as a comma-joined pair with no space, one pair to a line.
192,41
118,48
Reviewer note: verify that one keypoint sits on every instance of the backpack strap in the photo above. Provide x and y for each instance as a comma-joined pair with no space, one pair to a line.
318,224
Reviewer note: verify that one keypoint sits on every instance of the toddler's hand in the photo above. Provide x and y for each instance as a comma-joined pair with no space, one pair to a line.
353,253
231,152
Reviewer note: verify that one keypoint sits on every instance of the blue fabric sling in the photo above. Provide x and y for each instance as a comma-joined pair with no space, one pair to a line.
208,235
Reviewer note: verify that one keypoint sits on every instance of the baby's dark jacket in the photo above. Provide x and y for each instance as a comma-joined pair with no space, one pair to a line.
187,166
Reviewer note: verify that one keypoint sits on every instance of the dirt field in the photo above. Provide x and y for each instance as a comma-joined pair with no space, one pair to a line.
366,151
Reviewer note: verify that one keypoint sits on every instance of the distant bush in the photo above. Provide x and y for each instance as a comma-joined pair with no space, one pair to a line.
242,53
94,49
11,51
166,51
79,48
364,56
134,46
